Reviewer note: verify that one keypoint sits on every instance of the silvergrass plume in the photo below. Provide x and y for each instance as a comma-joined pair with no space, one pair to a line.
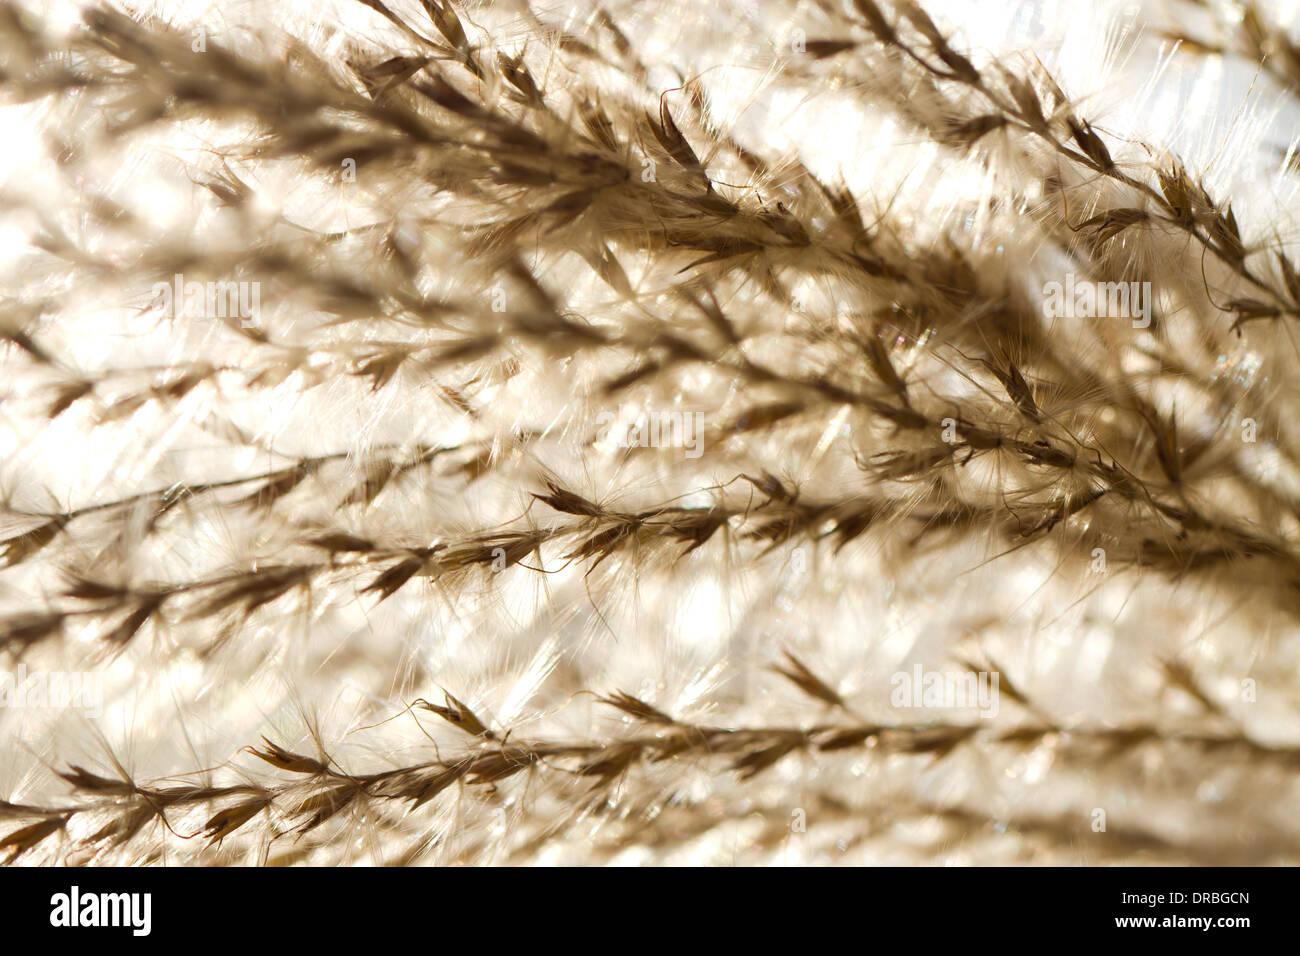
308,334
